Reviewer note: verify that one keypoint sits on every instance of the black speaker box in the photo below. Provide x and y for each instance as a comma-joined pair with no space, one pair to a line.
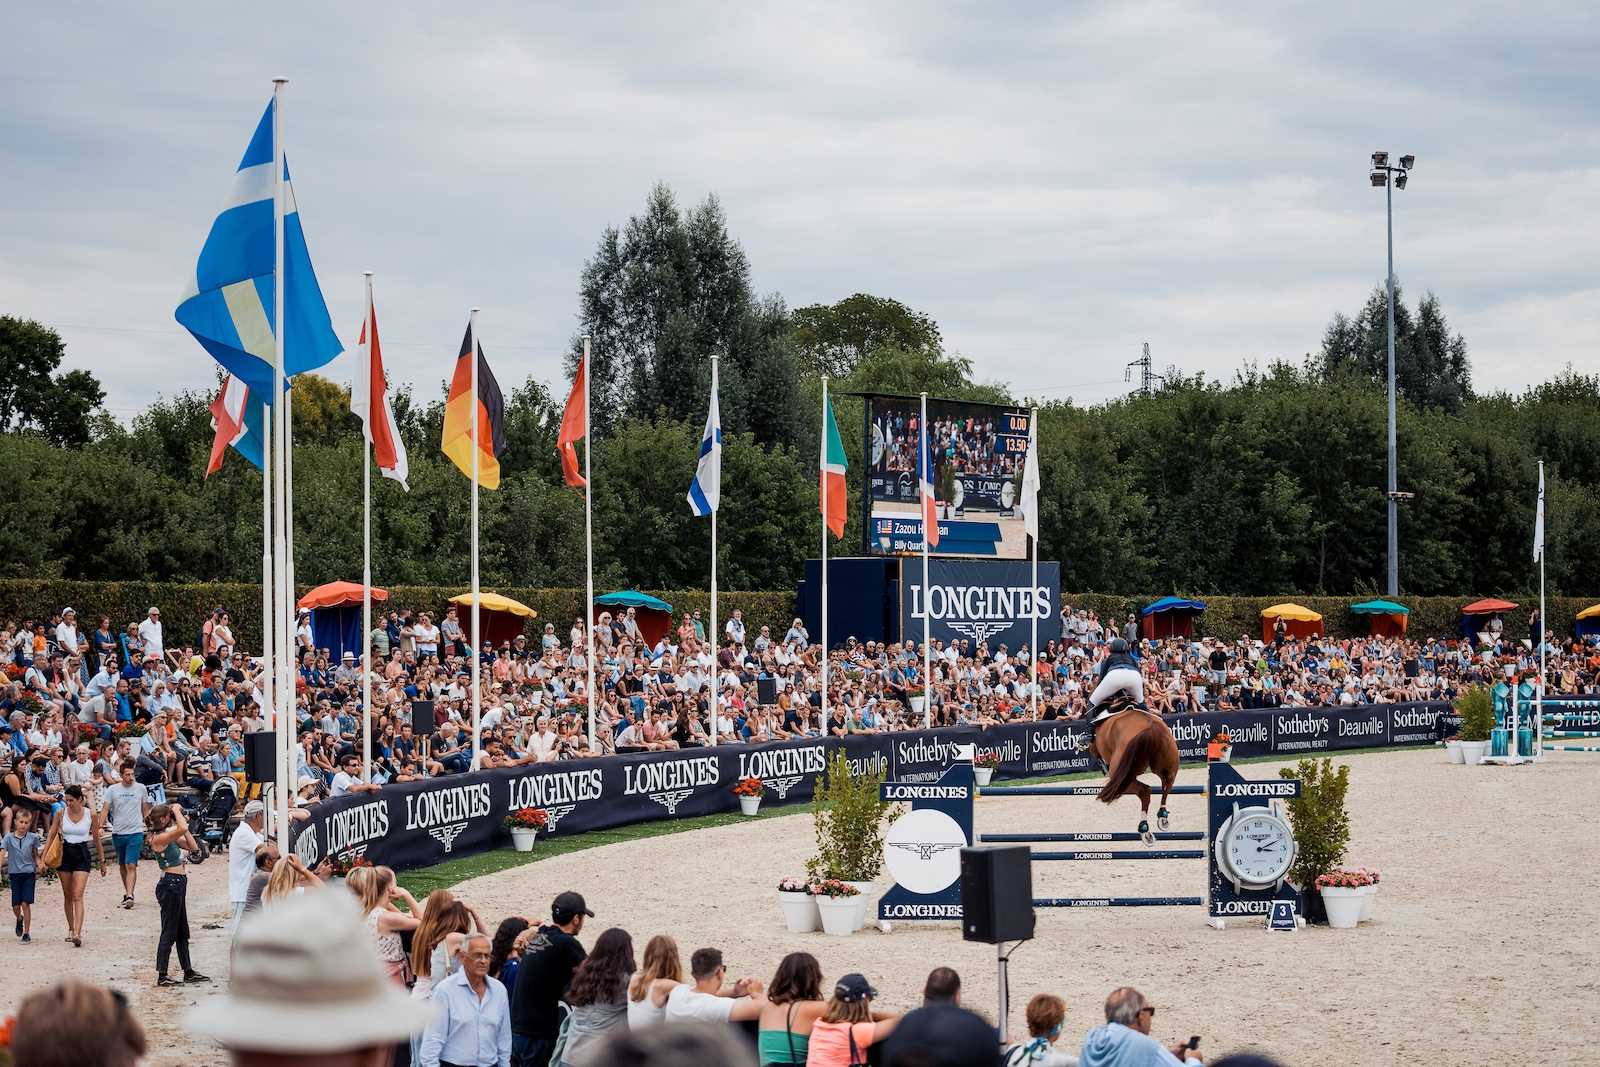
997,894
421,718
766,690
260,756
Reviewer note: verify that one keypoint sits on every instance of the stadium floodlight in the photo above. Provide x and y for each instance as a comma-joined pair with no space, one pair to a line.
1381,170
1380,178
1380,159
1407,162
1400,180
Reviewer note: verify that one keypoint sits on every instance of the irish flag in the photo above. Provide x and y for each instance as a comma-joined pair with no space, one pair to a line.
833,468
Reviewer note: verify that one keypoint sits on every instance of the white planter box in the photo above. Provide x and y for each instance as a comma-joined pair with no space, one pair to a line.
800,912
749,805
1343,906
1472,752
838,915
861,902
983,774
1454,748
522,840
1368,894
917,704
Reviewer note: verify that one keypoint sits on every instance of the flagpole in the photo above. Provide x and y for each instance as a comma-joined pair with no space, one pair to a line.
824,480
366,547
716,634
285,687
472,354
588,537
1033,649
927,615
268,618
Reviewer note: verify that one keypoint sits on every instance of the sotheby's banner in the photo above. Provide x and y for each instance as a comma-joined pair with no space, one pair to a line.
418,824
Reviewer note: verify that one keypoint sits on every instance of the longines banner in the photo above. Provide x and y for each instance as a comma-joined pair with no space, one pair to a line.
418,824
978,601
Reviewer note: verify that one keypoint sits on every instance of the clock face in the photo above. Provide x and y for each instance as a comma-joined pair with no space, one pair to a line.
1256,848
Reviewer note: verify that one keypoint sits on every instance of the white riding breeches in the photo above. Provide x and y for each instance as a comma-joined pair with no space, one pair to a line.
1118,679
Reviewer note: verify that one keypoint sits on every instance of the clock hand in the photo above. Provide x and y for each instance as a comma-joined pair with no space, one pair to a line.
1267,848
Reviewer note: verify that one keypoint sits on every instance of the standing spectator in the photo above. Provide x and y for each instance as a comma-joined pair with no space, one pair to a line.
76,1023
375,889
129,805
648,989
150,636
1046,1011
76,825
1125,1038
552,955
735,628
707,1000
849,1026
169,835
1130,631
471,1023
506,957
794,1004
598,996
242,856
21,850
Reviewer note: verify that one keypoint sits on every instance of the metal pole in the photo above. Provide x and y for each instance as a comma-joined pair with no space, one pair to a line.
1033,649
823,474
1394,487
1538,693
283,599
716,634
588,535
1005,1009
927,616
366,546
472,354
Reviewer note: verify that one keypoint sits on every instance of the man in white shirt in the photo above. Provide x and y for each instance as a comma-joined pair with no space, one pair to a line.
242,856
735,627
150,635
348,779
707,1001
67,632
542,745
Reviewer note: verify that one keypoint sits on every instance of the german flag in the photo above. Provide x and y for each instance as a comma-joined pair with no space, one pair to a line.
457,443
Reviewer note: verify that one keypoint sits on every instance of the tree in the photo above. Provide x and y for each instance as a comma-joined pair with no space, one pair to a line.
833,338
59,408
1431,368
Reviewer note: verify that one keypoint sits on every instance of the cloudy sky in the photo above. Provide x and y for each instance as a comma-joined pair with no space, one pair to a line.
1054,183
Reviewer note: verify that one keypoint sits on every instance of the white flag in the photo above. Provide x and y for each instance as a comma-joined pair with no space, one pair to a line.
706,490
1538,523
1028,502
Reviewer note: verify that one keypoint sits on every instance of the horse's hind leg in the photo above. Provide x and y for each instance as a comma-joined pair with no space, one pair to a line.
1161,813
1143,792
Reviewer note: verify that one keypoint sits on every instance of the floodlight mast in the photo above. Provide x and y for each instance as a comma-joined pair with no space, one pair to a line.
1380,176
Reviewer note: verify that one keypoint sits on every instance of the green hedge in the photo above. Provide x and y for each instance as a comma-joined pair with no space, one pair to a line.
185,607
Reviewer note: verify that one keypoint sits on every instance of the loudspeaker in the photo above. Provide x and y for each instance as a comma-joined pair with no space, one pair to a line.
260,756
997,894
421,718
766,690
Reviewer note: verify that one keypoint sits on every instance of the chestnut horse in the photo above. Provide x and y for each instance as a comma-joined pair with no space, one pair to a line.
1129,743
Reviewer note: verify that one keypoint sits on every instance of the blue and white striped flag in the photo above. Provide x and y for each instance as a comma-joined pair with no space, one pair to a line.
706,490
228,306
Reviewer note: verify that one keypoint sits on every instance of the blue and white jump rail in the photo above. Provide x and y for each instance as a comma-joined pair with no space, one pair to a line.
922,849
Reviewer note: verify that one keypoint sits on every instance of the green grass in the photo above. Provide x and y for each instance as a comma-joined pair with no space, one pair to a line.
425,880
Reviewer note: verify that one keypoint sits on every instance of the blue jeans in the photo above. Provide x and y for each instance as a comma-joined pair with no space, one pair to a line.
531,1051
457,763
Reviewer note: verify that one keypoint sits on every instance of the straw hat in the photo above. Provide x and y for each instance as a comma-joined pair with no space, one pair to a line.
306,978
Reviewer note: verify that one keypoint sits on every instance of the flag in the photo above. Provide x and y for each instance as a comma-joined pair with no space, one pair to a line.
1538,522
833,468
1028,503
229,303
369,401
236,416
706,490
930,519
457,443
572,421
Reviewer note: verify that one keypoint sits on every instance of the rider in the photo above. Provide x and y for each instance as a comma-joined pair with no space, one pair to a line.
1119,673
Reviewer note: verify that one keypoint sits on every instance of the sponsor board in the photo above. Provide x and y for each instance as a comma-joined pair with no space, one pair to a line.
993,602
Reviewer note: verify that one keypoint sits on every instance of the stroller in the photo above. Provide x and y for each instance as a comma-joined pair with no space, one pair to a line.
211,829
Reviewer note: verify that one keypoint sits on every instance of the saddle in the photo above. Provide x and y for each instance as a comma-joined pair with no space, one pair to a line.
1122,701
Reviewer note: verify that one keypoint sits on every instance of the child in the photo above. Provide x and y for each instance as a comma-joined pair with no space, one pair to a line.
21,850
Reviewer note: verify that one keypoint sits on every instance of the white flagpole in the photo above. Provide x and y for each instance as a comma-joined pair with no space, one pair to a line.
824,478
1033,649
268,617
1538,693
716,634
366,548
927,616
280,406
588,537
472,354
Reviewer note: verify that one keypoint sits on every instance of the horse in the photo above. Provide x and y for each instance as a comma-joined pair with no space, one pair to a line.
1129,743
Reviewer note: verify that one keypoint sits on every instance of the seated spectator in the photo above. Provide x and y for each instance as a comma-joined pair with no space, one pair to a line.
707,1000
660,973
942,1036
848,1026
1045,1014
76,1023
794,1004
1125,1039
598,997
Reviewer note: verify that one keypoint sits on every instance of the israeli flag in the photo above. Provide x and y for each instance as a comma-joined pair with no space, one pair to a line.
228,306
706,490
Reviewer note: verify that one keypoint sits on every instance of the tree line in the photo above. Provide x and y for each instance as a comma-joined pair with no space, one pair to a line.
1271,483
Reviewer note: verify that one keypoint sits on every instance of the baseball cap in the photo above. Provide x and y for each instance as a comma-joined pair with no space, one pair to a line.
567,905
853,987
255,807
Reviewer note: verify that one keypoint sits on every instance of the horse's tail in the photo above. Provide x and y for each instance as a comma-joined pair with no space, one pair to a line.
1134,757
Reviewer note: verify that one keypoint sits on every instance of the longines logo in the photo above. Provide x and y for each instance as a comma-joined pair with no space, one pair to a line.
926,850
555,814
671,799
447,834
357,825
979,631
1008,602
305,846
447,809
558,792
780,769
669,782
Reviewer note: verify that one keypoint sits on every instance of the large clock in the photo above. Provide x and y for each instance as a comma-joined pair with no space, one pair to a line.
1255,847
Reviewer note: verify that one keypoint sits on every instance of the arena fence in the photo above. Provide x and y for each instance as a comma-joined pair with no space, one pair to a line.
418,824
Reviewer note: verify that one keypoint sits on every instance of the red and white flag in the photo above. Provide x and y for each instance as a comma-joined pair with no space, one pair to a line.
572,428
228,419
369,400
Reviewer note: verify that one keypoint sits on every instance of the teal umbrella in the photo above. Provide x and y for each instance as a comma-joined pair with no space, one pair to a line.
1380,607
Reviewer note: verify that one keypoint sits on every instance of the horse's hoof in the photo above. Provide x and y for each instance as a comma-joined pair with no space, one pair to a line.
1145,835
1161,819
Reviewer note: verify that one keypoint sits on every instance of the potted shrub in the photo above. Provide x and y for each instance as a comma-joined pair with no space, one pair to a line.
984,765
1452,746
836,903
1321,828
1343,894
525,824
799,905
750,791
848,816
1476,708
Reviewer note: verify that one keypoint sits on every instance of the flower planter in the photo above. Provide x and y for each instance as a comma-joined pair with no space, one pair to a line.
1367,894
522,839
983,774
800,912
1472,752
861,901
749,805
917,704
1453,746
336,881
838,915
1343,906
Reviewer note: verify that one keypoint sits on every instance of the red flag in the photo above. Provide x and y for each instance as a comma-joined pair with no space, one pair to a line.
572,429
369,399
227,418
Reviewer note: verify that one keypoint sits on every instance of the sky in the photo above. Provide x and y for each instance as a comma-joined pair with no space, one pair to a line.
1056,184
